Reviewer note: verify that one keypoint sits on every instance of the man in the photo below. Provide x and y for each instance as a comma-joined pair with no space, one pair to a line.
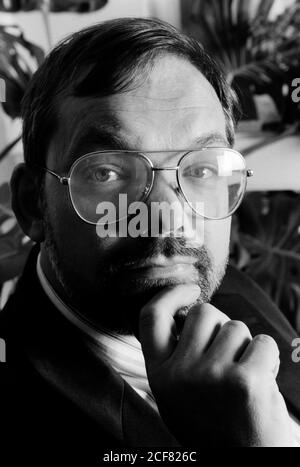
133,108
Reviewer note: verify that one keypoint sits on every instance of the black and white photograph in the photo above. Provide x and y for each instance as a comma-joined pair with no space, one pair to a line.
149,229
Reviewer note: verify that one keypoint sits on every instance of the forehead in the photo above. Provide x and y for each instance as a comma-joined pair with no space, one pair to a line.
173,108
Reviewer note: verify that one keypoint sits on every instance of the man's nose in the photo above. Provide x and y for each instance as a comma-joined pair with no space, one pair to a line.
169,214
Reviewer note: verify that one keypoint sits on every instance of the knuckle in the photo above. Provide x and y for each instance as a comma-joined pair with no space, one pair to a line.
214,373
237,326
218,315
267,341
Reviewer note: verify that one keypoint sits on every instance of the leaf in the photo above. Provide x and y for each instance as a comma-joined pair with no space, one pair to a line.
13,97
18,61
295,303
77,6
251,46
55,5
264,8
17,5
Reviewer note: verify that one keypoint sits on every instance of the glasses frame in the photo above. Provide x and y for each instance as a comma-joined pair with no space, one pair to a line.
65,180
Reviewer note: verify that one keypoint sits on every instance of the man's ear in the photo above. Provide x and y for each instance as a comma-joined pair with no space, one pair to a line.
26,201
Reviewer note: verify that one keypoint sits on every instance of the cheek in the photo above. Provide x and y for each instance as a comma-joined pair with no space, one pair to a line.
216,239
77,241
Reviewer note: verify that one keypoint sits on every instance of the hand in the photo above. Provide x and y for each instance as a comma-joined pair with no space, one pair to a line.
215,385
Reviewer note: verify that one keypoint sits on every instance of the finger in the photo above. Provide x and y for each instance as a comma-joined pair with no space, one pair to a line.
202,324
262,354
157,325
230,343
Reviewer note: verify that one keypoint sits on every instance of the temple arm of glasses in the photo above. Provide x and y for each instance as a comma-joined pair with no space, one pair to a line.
62,180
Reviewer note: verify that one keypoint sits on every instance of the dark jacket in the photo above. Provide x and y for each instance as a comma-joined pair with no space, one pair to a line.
58,401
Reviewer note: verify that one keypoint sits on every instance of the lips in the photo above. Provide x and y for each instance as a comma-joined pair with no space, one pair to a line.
162,267
161,262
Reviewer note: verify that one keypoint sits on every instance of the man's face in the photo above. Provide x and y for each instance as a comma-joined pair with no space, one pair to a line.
174,108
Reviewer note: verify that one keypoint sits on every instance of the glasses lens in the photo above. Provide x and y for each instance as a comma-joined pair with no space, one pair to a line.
102,178
213,181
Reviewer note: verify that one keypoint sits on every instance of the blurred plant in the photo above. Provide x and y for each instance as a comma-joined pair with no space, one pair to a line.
79,6
19,59
265,244
260,54
47,6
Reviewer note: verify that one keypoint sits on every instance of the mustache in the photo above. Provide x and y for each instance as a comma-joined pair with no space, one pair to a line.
145,248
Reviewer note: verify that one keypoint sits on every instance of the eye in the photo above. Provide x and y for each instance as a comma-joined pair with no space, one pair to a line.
200,172
104,174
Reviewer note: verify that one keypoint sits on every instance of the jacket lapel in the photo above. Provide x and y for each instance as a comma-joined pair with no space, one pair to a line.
58,352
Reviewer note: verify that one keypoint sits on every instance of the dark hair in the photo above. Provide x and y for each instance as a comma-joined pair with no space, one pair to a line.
103,60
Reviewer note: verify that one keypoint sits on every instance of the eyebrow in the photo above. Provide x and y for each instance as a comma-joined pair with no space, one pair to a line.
211,138
104,135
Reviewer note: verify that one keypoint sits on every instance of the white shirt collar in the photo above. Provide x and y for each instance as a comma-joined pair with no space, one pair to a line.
123,353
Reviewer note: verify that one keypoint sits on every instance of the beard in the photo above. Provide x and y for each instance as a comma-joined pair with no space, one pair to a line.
111,302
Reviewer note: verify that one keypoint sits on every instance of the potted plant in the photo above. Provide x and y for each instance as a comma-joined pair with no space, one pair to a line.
260,54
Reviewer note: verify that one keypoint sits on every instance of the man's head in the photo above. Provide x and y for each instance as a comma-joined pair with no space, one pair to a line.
131,84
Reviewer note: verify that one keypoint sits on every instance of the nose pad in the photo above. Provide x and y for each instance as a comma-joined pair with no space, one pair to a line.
146,191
